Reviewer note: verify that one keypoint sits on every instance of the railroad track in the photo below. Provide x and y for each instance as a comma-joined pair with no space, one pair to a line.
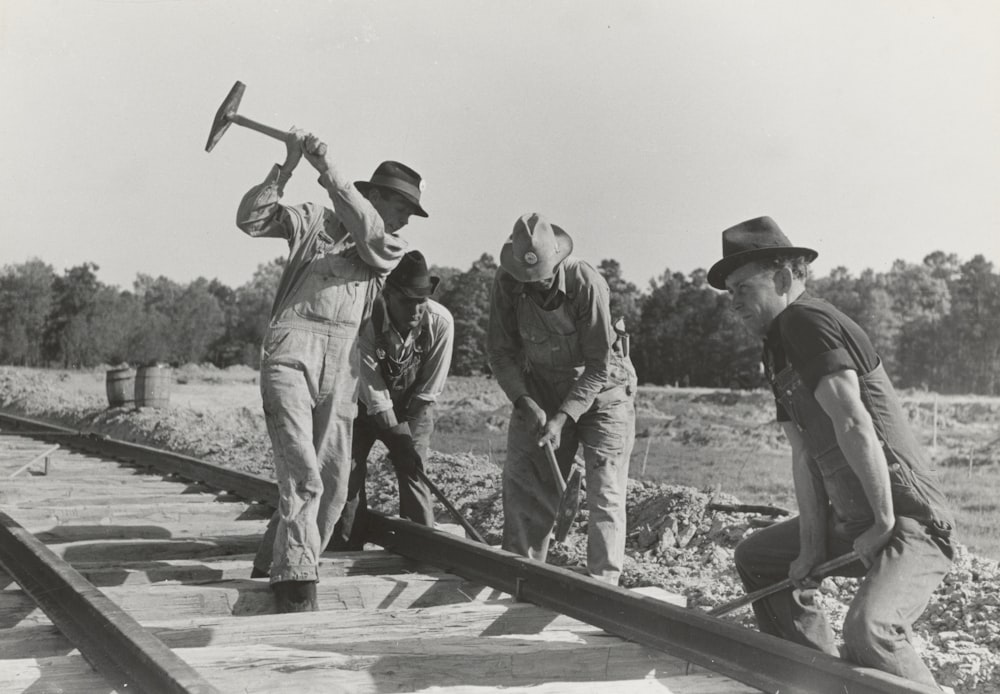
127,569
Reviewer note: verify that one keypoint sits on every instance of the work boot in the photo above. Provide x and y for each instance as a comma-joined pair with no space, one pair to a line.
295,596
258,573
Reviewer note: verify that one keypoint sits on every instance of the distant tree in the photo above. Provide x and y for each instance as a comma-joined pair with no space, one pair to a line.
973,329
250,313
945,266
920,301
469,303
25,302
447,276
196,322
653,346
688,336
221,352
840,289
66,339
625,297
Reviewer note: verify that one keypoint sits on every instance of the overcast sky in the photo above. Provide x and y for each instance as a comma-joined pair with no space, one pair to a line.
869,129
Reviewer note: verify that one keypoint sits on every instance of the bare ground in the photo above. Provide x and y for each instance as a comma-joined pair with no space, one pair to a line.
676,540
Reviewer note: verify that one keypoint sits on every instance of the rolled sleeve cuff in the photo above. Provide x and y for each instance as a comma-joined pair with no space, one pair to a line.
575,408
825,364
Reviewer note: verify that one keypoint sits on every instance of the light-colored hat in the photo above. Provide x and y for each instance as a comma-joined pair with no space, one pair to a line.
535,248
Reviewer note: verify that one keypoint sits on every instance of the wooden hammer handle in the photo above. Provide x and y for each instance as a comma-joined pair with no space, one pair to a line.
550,455
816,574
259,127
473,533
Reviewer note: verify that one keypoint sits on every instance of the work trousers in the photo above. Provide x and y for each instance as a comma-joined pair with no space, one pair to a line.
892,595
415,502
308,382
531,496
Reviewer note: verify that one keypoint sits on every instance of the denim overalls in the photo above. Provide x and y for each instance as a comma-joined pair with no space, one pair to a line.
400,376
896,588
553,361
309,382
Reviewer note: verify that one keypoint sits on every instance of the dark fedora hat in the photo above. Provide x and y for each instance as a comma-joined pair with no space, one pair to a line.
400,178
411,278
754,239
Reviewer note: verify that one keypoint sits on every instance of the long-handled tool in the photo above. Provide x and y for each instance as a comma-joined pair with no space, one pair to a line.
569,493
818,573
473,533
227,115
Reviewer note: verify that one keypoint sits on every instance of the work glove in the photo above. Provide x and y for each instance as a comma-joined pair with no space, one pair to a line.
402,451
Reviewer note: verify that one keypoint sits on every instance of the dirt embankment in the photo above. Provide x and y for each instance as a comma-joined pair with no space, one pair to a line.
678,537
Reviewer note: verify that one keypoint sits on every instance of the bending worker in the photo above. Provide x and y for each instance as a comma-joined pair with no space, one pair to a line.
862,481
554,352
337,261
405,354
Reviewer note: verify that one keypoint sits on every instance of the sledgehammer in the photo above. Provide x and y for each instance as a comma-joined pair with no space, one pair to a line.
227,115
569,493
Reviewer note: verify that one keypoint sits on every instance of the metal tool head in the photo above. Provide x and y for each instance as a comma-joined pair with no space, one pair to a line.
569,503
224,114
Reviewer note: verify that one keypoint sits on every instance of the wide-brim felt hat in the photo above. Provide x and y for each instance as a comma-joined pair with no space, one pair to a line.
535,249
754,239
399,178
411,277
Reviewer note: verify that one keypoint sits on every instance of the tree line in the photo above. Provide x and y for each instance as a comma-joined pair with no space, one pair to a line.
936,324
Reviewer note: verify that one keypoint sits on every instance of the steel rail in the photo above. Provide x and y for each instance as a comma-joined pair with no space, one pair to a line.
758,660
112,642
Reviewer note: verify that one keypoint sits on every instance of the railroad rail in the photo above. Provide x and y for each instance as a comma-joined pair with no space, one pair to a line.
128,571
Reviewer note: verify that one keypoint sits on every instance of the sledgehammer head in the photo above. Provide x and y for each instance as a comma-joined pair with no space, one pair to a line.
223,115
569,503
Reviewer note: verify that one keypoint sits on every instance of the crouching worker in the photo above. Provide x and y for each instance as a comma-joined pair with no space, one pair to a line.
862,481
405,354
337,261
555,354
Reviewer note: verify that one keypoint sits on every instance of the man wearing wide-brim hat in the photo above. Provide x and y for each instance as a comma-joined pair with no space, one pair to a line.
338,257
554,351
862,480
406,348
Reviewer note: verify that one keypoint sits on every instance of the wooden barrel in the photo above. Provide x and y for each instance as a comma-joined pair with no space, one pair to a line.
152,386
120,384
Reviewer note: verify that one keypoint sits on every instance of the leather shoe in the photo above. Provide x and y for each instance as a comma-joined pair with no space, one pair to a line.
295,596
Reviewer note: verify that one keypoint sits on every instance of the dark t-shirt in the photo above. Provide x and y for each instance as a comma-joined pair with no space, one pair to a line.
817,340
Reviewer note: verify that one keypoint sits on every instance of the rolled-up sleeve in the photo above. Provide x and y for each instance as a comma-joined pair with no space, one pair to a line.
261,213
435,365
503,342
377,248
592,309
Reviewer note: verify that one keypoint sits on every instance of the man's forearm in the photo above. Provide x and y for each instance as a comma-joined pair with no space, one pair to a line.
867,460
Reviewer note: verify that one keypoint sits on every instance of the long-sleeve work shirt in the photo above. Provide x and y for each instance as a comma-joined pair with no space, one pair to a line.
565,344
422,359
347,245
